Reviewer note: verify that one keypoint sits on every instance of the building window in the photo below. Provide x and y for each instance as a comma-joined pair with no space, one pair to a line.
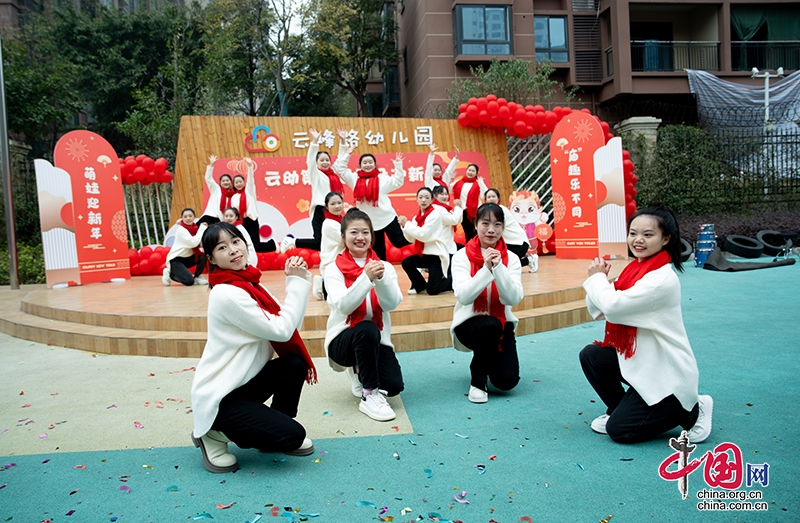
483,30
550,37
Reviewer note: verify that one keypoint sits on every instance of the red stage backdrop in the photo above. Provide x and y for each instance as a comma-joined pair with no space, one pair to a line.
98,205
573,144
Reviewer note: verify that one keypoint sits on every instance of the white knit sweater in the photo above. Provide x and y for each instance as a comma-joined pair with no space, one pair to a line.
238,346
663,363
320,183
214,195
447,175
185,243
467,287
250,193
449,220
433,234
331,244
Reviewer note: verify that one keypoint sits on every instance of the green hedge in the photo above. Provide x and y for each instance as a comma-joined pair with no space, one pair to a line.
30,261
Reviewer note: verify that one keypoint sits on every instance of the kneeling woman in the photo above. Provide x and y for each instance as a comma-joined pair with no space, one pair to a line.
362,290
487,283
431,249
237,372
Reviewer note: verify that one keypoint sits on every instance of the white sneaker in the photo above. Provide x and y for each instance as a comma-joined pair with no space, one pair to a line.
316,288
165,277
200,281
477,395
287,243
412,292
376,407
355,386
533,262
599,424
306,449
702,427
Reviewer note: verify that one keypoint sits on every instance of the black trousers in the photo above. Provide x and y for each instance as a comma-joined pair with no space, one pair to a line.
251,226
436,279
521,251
482,335
316,225
631,419
468,226
247,421
179,269
378,367
395,234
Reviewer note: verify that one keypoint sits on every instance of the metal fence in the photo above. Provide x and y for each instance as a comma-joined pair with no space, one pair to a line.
530,167
655,55
147,212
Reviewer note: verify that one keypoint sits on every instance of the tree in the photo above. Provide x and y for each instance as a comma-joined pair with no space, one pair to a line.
347,38
517,81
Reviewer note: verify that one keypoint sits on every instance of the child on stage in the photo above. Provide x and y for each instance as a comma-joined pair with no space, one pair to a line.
469,189
237,372
362,290
645,344
487,283
185,253
514,235
432,251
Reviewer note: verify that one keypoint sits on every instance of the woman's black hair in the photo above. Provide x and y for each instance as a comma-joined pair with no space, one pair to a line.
477,170
437,164
669,227
322,152
492,189
371,156
235,212
238,176
425,189
188,209
438,189
226,175
331,195
490,208
211,239
355,214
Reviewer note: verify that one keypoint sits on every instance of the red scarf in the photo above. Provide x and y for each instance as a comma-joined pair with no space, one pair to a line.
482,304
473,196
248,280
242,201
335,181
448,208
440,181
225,198
238,223
193,228
330,216
623,337
351,271
367,187
420,219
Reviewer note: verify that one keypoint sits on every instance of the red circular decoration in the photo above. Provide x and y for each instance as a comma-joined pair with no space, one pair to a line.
265,231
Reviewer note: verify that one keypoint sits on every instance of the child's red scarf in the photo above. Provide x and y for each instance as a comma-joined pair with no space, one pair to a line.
335,181
351,271
248,280
420,219
193,228
473,196
225,198
367,187
331,216
623,337
482,304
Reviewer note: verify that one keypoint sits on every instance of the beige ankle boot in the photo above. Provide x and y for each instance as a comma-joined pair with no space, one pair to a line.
216,458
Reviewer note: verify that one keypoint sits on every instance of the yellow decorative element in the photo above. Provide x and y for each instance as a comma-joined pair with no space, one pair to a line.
303,205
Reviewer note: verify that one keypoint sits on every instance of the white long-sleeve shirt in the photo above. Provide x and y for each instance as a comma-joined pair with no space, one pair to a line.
663,363
513,233
383,212
214,195
447,175
185,243
343,300
451,219
320,184
250,193
331,244
252,257
238,346
466,188
467,287
433,233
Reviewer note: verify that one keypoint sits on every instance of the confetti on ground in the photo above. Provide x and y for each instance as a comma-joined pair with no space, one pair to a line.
229,505
46,461
182,370
326,413
42,436
4,430
3,485
125,488
147,467
173,488
82,467
179,400
112,406
137,425
396,455
578,465
525,518
438,517
405,511
159,405
481,468
384,510
205,515
460,436
258,516
396,428
461,498
26,405
150,374
54,393
492,457
626,459
71,512
365,504
8,466
429,472
74,491
412,442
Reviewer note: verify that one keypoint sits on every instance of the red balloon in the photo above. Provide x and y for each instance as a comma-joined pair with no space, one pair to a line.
626,155
491,98
165,177
512,106
492,107
609,136
144,266
393,254
566,110
281,260
495,121
472,111
128,179
627,166
530,117
520,113
462,108
483,116
148,163
519,127
586,110
145,252
463,119
127,158
135,270
152,177
538,108
133,256
634,178
131,165
123,169
140,173
475,123
630,208
481,103
156,259
551,118
502,101
503,112
140,158
545,128
159,249
472,101
541,117
604,126
160,165
315,259
304,253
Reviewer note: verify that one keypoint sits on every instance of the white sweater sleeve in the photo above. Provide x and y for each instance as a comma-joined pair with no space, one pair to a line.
397,179
387,289
452,218
429,172
465,286
429,231
450,172
509,281
632,306
341,297
348,177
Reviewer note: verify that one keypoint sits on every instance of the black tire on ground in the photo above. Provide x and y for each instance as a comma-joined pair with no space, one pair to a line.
686,250
743,246
773,241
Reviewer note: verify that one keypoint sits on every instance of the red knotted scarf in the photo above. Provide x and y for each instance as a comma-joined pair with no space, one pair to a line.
331,216
482,304
225,198
420,219
448,208
440,181
351,271
242,201
335,181
367,187
193,228
623,337
473,196
248,280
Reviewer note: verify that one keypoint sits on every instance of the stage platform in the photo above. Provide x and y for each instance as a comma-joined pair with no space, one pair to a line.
143,317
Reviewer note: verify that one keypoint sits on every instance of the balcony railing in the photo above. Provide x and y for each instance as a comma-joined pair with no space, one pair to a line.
765,55
609,62
656,55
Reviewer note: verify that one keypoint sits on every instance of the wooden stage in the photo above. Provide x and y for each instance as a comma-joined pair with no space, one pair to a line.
143,317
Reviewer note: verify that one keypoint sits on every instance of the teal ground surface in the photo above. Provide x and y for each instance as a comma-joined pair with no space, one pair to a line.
529,453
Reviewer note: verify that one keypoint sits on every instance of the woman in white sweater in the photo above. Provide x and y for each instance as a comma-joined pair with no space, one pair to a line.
645,344
451,215
331,245
220,195
185,253
513,234
362,290
433,170
432,251
237,373
245,201
487,283
232,216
